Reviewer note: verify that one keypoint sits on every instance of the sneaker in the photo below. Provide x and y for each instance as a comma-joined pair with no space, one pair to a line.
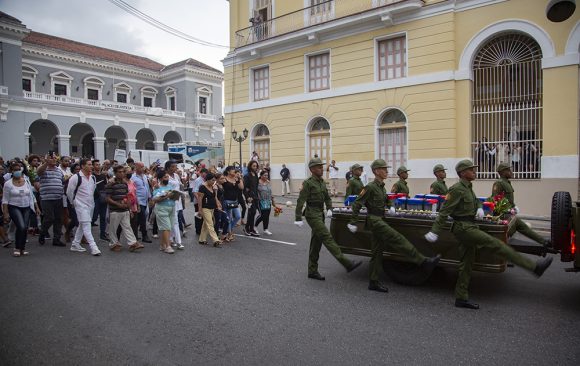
77,248
135,246
247,233
115,247
267,232
180,246
155,236
103,237
169,250
253,233
95,251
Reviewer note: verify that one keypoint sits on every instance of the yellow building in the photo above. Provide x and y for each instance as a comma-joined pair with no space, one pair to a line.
414,82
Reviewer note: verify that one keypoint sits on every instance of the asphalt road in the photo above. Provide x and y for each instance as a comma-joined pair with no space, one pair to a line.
250,303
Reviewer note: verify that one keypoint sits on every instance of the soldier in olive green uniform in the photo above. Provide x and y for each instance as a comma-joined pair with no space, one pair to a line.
374,198
355,185
439,187
463,206
315,194
401,185
504,186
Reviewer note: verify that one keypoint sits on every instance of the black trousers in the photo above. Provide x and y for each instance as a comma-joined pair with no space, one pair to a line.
264,217
139,223
198,223
52,216
250,221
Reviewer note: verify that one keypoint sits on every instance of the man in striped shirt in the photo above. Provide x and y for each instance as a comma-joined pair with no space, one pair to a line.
51,191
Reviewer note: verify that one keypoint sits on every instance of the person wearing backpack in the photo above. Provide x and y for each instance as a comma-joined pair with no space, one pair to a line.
80,193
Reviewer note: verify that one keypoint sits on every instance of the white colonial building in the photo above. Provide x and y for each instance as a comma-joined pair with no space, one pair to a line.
82,100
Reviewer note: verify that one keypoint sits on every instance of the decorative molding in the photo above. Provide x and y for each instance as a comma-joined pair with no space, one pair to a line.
83,117
573,42
116,120
44,113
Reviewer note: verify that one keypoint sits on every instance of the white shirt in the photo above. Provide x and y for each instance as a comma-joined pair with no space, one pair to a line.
84,202
18,196
332,172
175,184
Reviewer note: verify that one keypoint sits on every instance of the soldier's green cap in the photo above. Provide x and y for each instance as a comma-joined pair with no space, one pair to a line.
356,166
379,163
438,168
315,162
402,169
464,164
503,166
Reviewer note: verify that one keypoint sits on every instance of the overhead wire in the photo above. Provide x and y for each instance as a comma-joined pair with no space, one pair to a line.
164,27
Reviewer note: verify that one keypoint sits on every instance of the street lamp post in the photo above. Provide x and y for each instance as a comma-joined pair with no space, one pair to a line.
239,139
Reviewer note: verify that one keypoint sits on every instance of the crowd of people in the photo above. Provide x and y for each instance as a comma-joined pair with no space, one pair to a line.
127,201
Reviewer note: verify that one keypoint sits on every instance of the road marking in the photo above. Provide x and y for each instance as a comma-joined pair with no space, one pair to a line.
273,241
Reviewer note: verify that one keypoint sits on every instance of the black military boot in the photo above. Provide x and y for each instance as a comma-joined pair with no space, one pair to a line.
466,304
377,286
316,276
429,264
542,265
353,265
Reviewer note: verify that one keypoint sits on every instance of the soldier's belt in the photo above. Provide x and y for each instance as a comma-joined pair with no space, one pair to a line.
376,212
464,218
314,206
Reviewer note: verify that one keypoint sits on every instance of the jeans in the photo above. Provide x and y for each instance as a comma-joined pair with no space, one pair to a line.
101,211
234,214
52,216
222,223
20,217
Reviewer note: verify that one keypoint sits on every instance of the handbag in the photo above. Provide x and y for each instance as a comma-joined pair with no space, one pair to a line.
231,205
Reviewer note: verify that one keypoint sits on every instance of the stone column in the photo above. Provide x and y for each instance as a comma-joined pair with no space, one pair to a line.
63,145
26,144
159,145
131,143
99,147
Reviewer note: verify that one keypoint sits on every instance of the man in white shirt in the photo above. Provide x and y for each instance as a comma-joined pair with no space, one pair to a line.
81,196
195,189
333,176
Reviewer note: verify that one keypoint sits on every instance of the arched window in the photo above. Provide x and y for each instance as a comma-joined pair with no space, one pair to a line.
319,140
506,117
262,143
393,139
93,88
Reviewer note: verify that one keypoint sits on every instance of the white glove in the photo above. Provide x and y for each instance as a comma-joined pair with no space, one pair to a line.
431,237
352,228
299,223
479,214
392,210
329,213
516,209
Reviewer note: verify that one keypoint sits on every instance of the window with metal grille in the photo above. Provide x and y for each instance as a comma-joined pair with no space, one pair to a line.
262,83
93,94
506,114
393,139
147,102
262,143
392,58
319,72
121,97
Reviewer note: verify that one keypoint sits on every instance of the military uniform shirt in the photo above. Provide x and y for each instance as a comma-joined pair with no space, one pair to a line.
461,202
400,187
355,186
439,187
504,186
315,194
373,197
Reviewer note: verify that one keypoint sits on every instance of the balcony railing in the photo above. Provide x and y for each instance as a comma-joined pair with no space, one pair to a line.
206,117
303,18
103,104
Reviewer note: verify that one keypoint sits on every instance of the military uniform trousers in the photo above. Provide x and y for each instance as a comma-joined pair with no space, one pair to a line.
384,237
470,240
320,235
521,227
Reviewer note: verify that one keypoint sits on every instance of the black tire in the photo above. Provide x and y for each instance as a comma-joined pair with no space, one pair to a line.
405,273
560,223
